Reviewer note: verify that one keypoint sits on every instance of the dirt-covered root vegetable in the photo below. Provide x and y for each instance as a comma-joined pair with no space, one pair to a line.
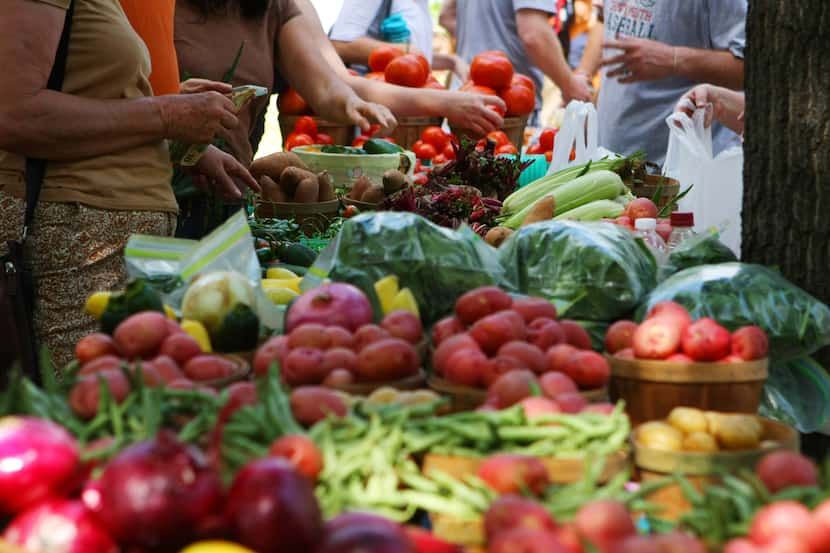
373,194
359,187
326,187
308,191
271,191
497,235
542,210
273,165
292,177
393,180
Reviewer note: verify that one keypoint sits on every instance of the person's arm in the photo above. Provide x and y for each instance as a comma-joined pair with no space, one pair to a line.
721,104
451,62
358,50
545,52
592,56
449,16
37,122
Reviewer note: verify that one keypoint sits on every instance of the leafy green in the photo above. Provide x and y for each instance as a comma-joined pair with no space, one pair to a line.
701,249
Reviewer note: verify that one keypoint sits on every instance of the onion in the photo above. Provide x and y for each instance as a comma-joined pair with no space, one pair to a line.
59,526
334,304
38,460
372,538
272,509
211,296
159,493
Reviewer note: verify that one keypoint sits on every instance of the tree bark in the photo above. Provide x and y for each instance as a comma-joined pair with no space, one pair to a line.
786,204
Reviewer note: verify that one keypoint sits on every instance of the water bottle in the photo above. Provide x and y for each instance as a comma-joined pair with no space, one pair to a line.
647,230
395,29
682,228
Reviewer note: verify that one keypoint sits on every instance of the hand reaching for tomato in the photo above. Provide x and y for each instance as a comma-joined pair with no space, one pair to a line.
474,111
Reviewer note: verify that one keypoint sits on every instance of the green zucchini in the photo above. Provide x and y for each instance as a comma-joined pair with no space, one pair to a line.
380,146
296,254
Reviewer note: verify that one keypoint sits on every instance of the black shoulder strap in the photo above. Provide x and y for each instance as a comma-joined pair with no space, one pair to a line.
36,168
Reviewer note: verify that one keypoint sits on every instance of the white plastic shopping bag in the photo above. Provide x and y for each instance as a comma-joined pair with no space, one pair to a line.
716,197
578,131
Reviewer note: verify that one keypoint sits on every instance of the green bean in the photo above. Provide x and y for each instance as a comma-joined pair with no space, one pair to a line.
460,490
531,433
439,504
692,495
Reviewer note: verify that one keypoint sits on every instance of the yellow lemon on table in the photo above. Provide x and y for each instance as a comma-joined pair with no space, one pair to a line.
280,296
280,273
97,303
386,289
405,301
199,333
170,312
290,283
215,547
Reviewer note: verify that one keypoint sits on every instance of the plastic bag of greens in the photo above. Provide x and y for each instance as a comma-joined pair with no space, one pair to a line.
701,249
797,393
738,294
157,259
437,264
591,271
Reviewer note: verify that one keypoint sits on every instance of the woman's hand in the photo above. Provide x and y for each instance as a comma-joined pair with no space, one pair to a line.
473,111
721,104
220,174
194,86
196,118
353,110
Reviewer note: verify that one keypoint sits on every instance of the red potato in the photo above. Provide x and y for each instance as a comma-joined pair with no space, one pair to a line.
657,338
240,394
99,364
569,538
535,407
620,335
589,369
673,311
448,347
141,335
558,356
303,366
679,358
784,518
510,512
641,208
181,384
302,452
272,351
180,347
173,327
627,353
732,359
84,396
604,523
493,331
678,542
481,302
150,375
572,402
545,333
637,544
404,325
368,334
387,359
511,388
742,545
311,404
338,378
94,346
576,335
340,337
499,365
523,540
528,355
554,384
789,544
309,335
534,308
208,367
467,367
599,408
443,329
782,469
750,343
511,474
167,368
339,358
707,341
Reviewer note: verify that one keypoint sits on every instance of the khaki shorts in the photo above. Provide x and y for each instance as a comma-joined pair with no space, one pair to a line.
74,250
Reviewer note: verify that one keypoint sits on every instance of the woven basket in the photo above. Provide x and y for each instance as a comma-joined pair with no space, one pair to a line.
340,134
410,129
312,218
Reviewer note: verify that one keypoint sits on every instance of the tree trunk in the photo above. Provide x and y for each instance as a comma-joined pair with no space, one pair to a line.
786,205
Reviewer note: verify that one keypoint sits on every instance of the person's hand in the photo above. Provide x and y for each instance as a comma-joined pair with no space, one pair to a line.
194,86
473,111
703,96
220,174
578,87
353,110
196,118
641,60
460,68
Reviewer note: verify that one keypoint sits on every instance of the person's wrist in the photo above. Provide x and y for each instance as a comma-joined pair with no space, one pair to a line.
159,108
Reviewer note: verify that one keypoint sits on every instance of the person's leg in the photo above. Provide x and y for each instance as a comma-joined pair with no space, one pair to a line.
77,250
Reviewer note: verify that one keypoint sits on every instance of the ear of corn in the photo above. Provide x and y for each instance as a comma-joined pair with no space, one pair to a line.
593,211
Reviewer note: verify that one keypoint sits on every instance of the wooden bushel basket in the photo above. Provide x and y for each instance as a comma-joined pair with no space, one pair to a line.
312,218
340,134
410,129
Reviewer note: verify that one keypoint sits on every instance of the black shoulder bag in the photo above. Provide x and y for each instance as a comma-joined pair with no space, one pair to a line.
17,294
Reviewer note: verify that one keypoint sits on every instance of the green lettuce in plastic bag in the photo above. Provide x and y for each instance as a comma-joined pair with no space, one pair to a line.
702,249
591,271
739,294
797,393
438,264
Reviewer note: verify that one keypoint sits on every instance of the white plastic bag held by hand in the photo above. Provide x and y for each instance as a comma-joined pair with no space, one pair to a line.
579,131
717,182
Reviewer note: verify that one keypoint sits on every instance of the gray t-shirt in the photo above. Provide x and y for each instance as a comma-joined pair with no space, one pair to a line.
632,116
491,25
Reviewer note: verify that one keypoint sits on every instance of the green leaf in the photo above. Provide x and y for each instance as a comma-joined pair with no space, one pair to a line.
229,74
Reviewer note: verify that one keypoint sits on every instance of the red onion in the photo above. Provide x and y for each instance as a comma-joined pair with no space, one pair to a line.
334,304
159,493
38,460
59,526
366,539
272,509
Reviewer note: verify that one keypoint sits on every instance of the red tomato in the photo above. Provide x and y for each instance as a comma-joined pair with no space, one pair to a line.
507,149
306,125
497,109
360,141
435,136
497,53
297,139
373,129
493,71
302,453
380,57
476,89
519,99
548,156
323,138
376,76
424,63
350,212
546,139
420,178
449,152
499,137
424,150
290,102
535,149
406,70
439,159
523,80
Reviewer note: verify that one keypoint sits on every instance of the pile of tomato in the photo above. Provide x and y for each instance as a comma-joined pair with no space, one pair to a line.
305,134
492,73
544,144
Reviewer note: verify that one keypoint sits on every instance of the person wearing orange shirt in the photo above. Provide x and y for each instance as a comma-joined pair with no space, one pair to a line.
153,21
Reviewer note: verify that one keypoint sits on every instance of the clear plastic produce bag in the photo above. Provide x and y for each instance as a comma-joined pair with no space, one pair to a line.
739,294
797,393
701,249
591,271
579,131
437,264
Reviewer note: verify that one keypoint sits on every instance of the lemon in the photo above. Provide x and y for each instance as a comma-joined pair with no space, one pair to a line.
97,303
215,547
405,301
386,289
280,296
199,333
290,283
279,273
171,314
